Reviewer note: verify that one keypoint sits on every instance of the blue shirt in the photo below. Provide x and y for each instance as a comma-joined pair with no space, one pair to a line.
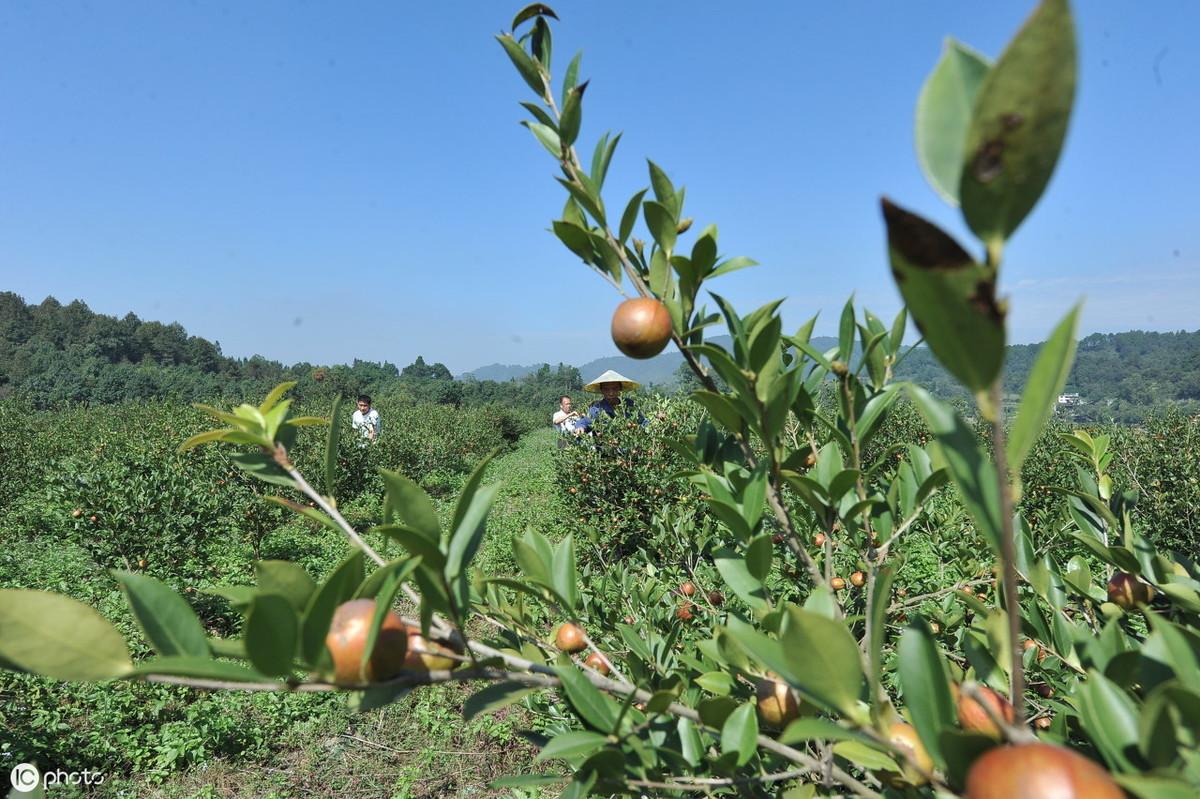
602,405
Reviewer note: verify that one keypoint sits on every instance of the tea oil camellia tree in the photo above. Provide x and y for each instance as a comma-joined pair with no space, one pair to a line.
790,683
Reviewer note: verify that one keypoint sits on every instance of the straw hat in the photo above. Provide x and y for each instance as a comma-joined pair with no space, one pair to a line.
612,377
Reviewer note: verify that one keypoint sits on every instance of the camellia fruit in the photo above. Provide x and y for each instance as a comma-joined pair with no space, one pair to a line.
837,584
1128,591
76,513
685,612
905,738
972,716
716,598
777,703
426,655
1038,770
819,539
569,638
596,661
858,579
641,327
688,589
347,641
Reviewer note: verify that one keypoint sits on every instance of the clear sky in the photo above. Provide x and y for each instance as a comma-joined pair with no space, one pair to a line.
326,181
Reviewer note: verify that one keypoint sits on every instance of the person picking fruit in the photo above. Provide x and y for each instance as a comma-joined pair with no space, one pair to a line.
610,385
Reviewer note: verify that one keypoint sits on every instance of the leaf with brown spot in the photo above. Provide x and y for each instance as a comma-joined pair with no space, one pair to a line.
1019,123
951,297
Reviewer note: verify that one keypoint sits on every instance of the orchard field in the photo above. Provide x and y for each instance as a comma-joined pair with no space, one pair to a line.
195,522
800,576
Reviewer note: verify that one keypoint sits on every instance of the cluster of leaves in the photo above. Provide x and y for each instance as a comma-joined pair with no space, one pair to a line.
617,479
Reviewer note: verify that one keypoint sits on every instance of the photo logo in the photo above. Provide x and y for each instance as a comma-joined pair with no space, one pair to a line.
24,777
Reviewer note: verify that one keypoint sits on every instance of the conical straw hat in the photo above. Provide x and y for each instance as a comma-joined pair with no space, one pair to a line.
611,377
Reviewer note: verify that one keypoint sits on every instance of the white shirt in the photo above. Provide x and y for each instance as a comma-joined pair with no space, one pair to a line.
564,421
365,423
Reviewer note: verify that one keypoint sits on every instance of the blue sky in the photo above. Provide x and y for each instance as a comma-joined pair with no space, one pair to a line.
322,182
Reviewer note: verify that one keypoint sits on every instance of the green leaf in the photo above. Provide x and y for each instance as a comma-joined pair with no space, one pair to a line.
661,224
926,687
951,298
168,621
1145,786
1019,123
400,568
287,579
595,708
466,537
1045,382
338,587
664,192
409,503
576,240
572,745
565,579
531,11
715,682
467,494
739,734
690,744
547,135
846,332
877,611
332,443
863,755
524,63
262,467
736,574
572,116
493,697
239,596
944,116
758,556
815,728
629,217
571,77
969,467
823,660
418,544
59,637
270,634
1109,718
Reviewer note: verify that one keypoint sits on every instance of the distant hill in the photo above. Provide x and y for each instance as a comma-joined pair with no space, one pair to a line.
500,372
657,371
52,353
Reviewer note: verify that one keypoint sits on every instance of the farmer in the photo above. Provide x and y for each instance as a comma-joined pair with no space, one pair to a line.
366,419
610,385
568,422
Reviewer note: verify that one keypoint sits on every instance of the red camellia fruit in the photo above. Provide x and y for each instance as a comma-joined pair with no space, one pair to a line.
858,579
569,638
819,539
347,640
641,327
972,716
685,612
1039,771
716,598
837,584
688,589
1128,591
596,661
